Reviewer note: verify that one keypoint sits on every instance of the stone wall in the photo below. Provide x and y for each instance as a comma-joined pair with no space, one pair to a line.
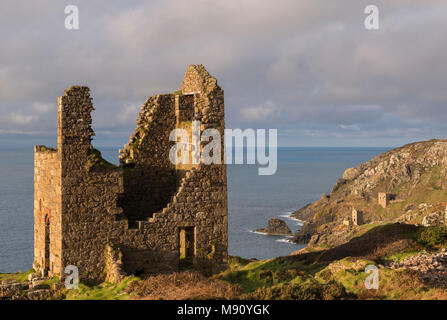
150,179
383,199
142,206
47,208
357,217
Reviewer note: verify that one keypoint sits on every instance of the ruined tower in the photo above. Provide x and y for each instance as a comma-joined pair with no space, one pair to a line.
357,217
158,215
383,199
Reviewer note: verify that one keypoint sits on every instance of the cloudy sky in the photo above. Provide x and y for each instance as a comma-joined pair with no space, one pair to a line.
306,67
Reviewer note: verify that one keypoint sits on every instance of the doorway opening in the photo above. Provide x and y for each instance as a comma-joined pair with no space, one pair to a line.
47,245
187,246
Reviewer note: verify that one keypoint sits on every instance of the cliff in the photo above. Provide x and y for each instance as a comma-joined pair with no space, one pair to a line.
413,178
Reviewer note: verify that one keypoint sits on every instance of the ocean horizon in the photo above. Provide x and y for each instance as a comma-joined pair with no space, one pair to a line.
303,174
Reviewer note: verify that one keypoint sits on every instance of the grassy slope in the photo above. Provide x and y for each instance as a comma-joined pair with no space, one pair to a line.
328,273
104,291
317,274
334,273
18,277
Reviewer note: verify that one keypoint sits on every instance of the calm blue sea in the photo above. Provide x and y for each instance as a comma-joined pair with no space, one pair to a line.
303,175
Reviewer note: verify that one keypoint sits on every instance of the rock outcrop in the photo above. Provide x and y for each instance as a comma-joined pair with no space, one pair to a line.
432,268
32,289
410,176
276,227
350,174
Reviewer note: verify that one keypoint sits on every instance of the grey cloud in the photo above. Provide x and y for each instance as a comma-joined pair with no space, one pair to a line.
308,68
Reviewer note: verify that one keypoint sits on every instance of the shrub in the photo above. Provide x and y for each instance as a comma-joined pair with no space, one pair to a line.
433,236
302,291
333,291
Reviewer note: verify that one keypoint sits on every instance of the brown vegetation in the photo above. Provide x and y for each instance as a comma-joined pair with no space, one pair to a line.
187,285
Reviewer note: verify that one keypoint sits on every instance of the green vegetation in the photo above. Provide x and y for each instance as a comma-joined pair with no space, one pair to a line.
433,236
135,145
339,272
18,277
333,273
251,276
45,149
308,290
95,159
393,284
104,291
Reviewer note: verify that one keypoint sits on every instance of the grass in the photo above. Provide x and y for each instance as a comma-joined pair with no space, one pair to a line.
18,277
251,276
309,275
400,256
45,149
104,291
393,285
334,273
95,159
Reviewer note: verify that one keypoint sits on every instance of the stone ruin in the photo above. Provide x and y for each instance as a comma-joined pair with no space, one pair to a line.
383,199
147,213
357,217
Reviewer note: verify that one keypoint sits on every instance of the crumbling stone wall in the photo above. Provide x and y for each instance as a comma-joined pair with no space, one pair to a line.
142,206
145,158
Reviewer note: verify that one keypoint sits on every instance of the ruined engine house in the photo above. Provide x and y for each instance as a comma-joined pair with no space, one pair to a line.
151,214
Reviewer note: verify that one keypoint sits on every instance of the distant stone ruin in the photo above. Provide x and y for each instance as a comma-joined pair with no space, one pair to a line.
383,199
357,217
151,214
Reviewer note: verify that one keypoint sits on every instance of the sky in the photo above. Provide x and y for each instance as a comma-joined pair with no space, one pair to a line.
308,68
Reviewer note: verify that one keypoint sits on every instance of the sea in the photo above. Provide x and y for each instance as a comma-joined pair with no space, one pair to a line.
302,176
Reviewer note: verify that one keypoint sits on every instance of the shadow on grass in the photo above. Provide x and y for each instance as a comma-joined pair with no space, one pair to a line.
375,243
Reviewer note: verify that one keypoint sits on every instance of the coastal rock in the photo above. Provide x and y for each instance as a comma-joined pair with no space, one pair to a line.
350,174
430,267
276,227
433,219
340,182
9,290
39,294
301,238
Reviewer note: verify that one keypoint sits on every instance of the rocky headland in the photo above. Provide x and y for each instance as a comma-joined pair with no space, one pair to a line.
412,180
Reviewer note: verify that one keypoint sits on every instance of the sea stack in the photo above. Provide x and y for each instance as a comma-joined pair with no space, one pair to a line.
276,226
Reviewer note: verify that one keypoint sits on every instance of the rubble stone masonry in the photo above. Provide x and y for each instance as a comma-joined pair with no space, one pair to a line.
158,215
